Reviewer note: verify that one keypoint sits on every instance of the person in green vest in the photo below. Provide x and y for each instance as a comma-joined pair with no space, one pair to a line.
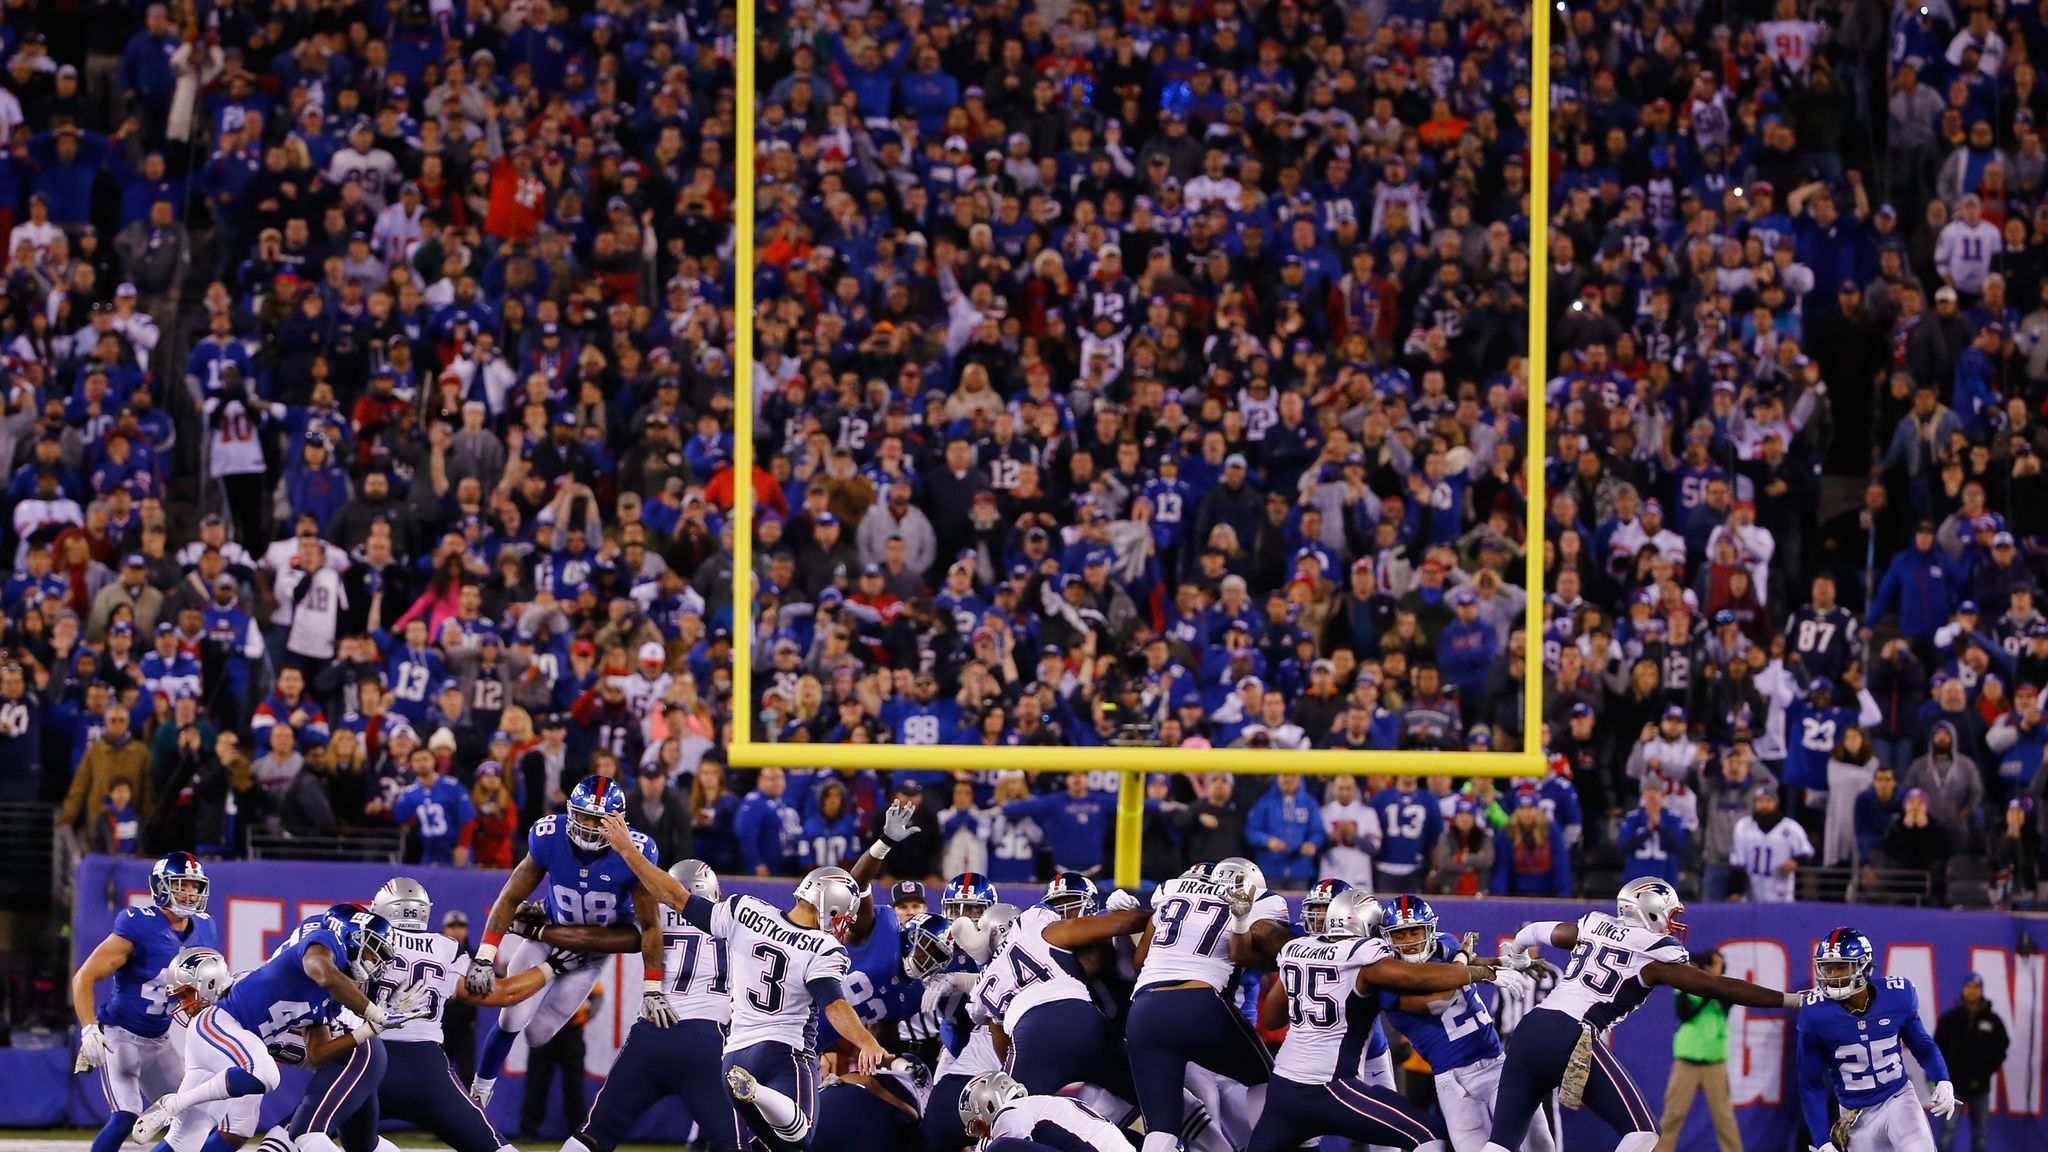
1699,1062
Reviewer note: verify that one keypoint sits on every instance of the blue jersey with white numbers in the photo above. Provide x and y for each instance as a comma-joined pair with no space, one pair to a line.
1463,1034
582,887
139,1004
875,985
415,678
278,996
1855,1056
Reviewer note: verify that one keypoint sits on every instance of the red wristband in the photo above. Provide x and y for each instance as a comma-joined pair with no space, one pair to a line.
654,974
493,938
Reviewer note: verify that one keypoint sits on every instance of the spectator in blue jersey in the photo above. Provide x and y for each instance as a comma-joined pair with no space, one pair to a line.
21,737
1919,586
1467,647
768,827
1285,831
1410,822
1652,838
436,812
1077,824
1529,853
831,834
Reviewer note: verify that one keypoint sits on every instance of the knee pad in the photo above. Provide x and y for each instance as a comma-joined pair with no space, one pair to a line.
245,1083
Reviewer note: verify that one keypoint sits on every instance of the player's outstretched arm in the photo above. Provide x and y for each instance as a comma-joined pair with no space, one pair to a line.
324,1044
321,969
1699,982
1072,934
1399,975
869,1054
653,880
1259,949
587,937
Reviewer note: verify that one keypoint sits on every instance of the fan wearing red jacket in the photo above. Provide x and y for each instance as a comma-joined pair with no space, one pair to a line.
518,198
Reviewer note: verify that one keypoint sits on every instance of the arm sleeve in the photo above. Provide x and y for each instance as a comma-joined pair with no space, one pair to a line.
1923,1047
697,910
825,991
1538,934
1813,1082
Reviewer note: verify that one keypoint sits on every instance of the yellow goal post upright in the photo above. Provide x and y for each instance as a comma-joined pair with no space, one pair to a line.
1134,763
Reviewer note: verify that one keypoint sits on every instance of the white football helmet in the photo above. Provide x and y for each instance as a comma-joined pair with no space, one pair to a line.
404,901
834,895
203,971
1653,904
697,878
1352,914
984,1096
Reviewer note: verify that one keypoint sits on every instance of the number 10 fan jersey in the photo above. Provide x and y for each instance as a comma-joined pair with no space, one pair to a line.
1191,932
772,963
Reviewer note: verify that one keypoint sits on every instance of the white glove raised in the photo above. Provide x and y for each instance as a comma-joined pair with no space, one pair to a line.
1943,1101
899,823
482,976
1520,958
1241,897
654,1006
1120,901
92,1048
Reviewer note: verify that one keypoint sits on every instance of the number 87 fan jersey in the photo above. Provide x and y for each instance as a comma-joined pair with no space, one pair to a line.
1191,932
774,965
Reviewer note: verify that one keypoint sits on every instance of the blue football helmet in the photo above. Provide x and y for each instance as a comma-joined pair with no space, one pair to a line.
967,895
1070,894
366,937
927,945
179,885
594,799
1317,902
1842,962
1408,924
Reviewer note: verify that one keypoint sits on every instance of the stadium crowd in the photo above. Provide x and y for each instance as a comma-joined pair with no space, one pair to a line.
1146,373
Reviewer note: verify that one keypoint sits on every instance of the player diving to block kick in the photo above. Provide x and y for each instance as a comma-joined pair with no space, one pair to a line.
782,965
1850,1032
128,1037
581,880
680,1059
1333,983
1616,961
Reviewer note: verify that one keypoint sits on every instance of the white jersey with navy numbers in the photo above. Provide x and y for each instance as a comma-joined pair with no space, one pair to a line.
771,963
1329,1023
1066,1121
429,959
1038,972
1191,932
693,970
1603,982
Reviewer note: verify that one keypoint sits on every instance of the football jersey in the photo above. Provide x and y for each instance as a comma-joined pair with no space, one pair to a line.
278,996
1456,1032
643,694
966,1045
1762,854
1039,973
875,984
693,970
1066,1121
140,1004
1191,932
772,963
1329,1023
1856,1056
1603,982
583,887
415,676
429,959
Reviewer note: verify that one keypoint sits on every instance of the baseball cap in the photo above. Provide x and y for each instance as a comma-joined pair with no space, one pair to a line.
133,560
905,891
652,653
1235,460
1674,713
